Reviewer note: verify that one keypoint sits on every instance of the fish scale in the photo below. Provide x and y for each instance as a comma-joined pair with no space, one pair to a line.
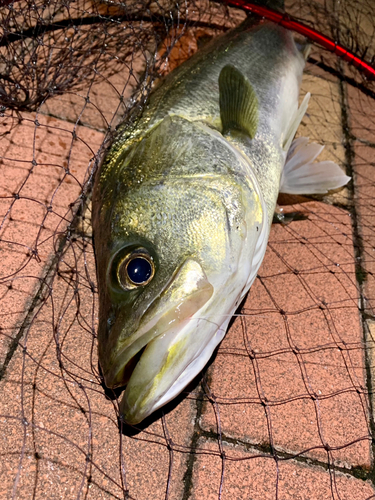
191,188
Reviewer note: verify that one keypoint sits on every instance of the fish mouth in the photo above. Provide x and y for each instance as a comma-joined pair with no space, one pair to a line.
151,359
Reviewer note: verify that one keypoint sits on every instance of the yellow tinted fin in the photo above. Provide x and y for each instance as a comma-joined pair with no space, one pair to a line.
238,102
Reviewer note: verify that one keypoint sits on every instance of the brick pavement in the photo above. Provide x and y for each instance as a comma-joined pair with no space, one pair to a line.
281,411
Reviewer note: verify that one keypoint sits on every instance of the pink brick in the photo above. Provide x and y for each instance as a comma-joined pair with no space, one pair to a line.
248,474
289,355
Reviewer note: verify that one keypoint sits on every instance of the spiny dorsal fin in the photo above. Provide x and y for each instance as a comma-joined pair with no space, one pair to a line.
238,102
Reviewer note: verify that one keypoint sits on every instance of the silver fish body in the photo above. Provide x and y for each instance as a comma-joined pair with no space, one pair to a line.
190,205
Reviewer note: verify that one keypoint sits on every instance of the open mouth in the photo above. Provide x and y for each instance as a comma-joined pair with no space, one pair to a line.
125,374
168,363
126,361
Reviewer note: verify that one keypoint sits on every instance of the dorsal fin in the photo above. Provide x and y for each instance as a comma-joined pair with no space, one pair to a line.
238,102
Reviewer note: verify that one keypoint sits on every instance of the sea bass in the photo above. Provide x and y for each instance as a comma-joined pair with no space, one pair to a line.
183,204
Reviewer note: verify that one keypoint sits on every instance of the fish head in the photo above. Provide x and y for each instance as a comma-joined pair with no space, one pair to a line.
175,231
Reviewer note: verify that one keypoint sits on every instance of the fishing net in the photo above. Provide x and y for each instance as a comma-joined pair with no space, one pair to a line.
284,409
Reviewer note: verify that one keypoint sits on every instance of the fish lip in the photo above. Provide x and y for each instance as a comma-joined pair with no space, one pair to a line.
113,379
134,414
173,316
135,410
110,376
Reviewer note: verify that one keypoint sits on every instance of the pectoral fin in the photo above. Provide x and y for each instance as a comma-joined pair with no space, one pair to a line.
302,176
238,102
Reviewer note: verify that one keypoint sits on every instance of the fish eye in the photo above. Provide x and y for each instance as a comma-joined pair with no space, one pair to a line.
136,269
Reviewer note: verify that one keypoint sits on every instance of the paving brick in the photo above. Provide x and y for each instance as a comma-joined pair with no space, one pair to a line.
249,474
27,222
105,101
365,186
287,375
323,117
265,373
323,120
53,383
361,109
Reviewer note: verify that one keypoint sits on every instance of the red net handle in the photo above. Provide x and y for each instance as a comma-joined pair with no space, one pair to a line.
288,22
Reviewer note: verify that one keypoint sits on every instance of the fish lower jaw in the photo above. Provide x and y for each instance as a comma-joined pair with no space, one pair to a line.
120,373
134,413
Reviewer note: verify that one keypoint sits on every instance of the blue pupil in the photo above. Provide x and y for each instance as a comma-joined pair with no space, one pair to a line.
139,270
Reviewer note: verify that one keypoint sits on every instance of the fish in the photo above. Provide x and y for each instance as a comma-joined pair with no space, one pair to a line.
183,203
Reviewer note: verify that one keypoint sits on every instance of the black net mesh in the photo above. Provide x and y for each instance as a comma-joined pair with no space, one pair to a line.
284,408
